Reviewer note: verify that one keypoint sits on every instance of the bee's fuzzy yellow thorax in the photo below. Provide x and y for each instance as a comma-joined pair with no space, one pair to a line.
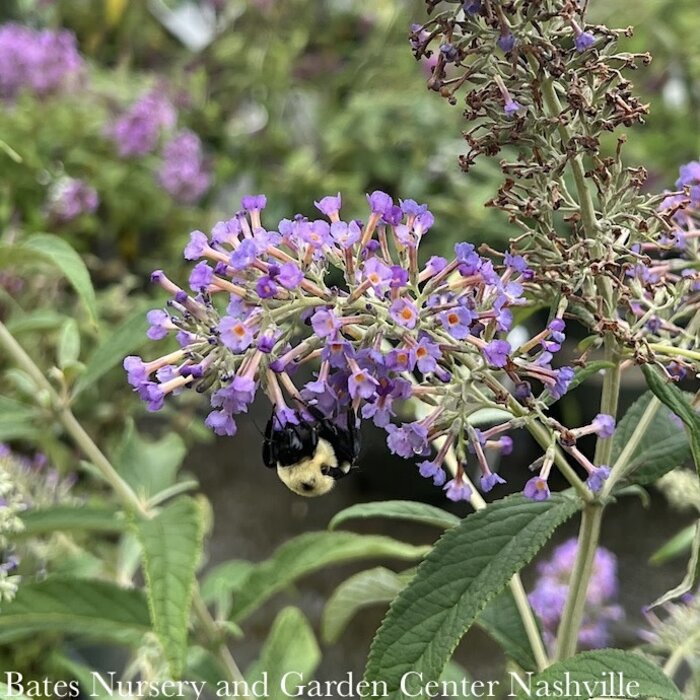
305,477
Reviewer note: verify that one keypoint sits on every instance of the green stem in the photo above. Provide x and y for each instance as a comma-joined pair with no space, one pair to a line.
618,469
218,642
527,616
544,439
124,492
609,398
591,518
670,350
588,216
589,533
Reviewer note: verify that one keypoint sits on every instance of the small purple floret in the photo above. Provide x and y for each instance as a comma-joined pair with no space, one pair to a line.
537,489
584,41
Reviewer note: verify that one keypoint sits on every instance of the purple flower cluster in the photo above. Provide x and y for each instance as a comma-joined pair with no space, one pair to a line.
549,595
182,174
668,268
137,131
689,177
69,198
260,307
41,61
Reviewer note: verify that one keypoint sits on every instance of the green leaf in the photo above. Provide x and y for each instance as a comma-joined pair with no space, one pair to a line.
311,552
124,340
95,609
24,384
16,419
81,673
636,491
203,666
39,320
172,544
59,253
223,581
14,429
398,510
692,574
13,408
10,694
590,666
663,447
677,545
68,350
364,589
149,466
502,621
67,518
677,401
290,647
469,566
454,673
16,255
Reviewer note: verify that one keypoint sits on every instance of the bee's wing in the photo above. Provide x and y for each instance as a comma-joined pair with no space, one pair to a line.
345,442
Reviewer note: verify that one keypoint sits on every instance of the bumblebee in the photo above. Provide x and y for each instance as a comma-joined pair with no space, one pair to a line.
312,455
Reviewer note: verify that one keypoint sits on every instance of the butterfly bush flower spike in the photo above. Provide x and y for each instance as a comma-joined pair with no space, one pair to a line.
258,305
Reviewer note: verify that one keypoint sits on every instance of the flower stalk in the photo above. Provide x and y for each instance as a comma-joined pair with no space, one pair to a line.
572,616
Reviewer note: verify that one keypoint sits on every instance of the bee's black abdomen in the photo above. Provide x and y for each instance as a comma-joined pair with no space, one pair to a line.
289,444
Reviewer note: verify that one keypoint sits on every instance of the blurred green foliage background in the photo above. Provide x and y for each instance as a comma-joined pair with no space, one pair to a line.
298,99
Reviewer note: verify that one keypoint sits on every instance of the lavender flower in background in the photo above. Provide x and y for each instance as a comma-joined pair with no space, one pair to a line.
70,197
40,61
182,174
36,483
28,483
136,132
550,592
689,176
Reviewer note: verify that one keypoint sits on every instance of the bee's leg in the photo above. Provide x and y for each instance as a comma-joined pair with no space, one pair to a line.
346,443
269,453
353,435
